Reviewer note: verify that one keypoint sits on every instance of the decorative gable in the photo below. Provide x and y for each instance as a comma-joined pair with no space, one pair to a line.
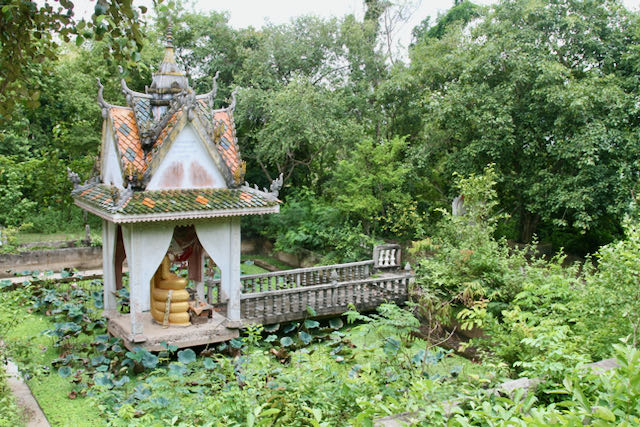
187,164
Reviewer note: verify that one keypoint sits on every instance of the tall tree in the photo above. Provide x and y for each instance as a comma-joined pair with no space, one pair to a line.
546,92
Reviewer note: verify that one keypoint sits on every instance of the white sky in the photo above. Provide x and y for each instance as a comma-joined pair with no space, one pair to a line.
244,13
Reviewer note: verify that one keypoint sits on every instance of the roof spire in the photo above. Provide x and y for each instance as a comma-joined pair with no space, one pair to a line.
169,79
169,36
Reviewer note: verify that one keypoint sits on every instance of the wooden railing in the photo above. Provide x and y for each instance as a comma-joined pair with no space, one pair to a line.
326,299
293,279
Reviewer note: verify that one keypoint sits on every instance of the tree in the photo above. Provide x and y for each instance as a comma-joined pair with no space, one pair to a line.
462,12
30,34
369,188
305,126
205,45
544,91
298,108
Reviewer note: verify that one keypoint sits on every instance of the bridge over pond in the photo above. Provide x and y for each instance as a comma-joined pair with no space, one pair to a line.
284,296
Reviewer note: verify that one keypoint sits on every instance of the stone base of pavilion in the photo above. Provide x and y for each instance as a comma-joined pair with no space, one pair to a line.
215,330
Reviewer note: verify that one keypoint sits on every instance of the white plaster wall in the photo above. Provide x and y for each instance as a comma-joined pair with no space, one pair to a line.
187,165
111,172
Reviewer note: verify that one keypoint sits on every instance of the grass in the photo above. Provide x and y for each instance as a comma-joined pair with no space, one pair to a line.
30,348
22,238
247,269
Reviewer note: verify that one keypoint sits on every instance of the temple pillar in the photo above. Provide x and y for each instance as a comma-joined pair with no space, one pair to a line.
145,244
109,237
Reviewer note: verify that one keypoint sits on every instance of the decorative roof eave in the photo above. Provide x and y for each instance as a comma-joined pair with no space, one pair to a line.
210,145
118,218
210,96
232,105
129,93
104,105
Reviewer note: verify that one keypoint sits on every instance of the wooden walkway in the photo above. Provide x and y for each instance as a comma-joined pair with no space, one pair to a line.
284,296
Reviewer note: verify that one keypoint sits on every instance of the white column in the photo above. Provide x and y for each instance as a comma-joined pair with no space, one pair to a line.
233,306
146,244
221,240
109,237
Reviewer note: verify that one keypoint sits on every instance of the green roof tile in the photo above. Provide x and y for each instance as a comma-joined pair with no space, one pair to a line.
109,200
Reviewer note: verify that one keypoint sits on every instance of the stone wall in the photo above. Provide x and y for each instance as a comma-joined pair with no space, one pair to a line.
84,258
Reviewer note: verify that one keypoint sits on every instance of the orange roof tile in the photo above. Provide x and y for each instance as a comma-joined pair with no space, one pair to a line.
202,200
148,202
227,146
126,129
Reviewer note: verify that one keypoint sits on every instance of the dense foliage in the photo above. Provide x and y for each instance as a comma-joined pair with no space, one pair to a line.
30,34
527,109
546,92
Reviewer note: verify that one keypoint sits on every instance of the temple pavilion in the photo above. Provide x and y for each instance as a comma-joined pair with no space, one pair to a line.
170,182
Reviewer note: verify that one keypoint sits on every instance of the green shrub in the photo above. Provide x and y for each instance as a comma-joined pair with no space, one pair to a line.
306,222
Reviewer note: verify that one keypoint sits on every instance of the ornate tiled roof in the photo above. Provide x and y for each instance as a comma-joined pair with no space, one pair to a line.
147,124
220,123
128,206
144,132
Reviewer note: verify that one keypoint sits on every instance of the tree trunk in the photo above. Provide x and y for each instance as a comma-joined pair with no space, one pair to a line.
528,225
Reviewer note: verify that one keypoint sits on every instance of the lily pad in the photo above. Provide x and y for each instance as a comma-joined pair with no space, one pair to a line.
122,381
186,356
311,324
290,327
286,341
305,337
64,371
169,347
177,370
271,338
209,363
272,328
103,380
336,323
149,360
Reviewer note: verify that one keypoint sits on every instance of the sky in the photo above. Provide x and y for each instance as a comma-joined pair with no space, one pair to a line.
244,13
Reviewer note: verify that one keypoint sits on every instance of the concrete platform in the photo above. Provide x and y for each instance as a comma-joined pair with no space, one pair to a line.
214,331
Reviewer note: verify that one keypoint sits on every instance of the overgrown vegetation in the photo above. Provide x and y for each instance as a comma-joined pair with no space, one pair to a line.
303,373
544,91
540,319
526,109
10,414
